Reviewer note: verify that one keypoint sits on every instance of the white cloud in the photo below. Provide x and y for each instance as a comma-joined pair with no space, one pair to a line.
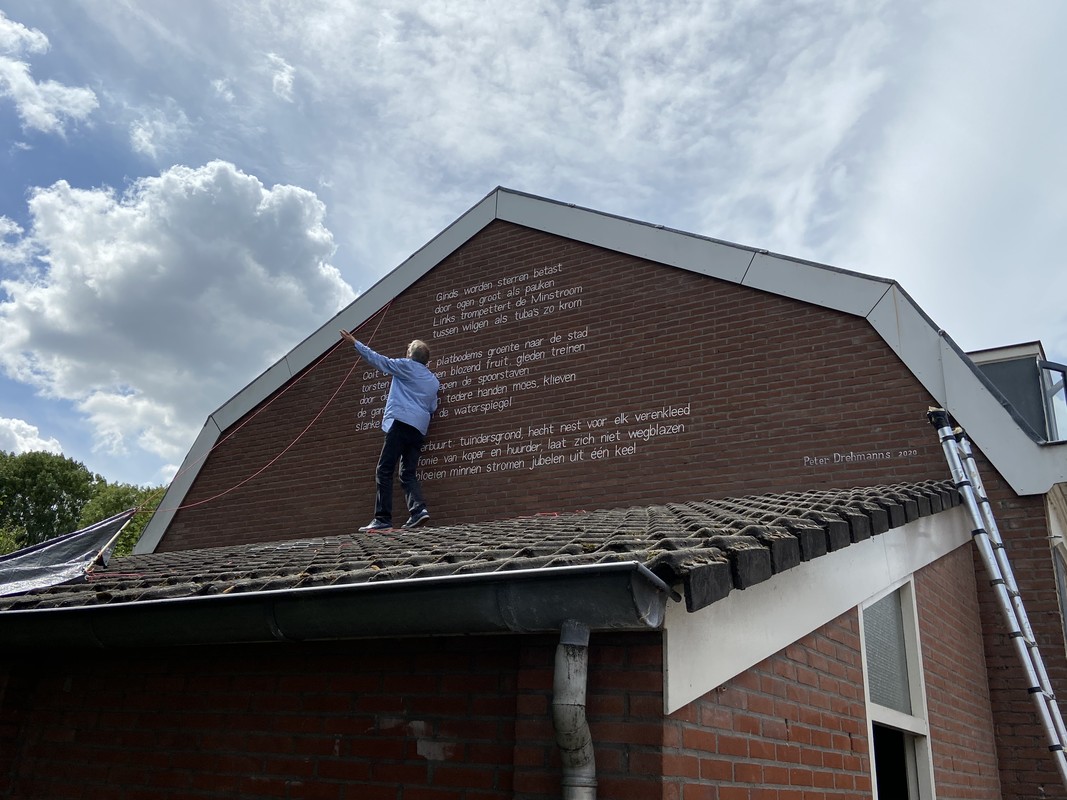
158,131
734,117
967,202
728,119
151,308
18,436
14,249
224,89
16,38
282,75
46,106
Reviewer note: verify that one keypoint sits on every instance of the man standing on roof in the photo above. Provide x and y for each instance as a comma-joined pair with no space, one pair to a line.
411,402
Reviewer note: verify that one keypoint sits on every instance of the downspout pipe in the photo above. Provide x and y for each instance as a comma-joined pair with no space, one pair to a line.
568,712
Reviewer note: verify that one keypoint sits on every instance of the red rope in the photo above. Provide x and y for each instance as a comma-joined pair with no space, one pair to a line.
143,507
271,463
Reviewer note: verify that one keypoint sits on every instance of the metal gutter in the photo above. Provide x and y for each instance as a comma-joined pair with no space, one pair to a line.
619,596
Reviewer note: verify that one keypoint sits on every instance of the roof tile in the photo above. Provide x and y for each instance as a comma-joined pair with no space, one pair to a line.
709,547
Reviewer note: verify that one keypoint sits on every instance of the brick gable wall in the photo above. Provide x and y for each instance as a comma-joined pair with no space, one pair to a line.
745,392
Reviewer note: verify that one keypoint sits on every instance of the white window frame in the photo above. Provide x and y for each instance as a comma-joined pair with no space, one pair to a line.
917,741
1056,512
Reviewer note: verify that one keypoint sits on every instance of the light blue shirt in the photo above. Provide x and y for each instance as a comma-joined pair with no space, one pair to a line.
412,392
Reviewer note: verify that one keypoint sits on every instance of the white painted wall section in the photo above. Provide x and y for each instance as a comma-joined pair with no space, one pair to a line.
705,649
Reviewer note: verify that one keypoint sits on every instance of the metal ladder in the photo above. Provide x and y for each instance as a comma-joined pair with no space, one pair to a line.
987,537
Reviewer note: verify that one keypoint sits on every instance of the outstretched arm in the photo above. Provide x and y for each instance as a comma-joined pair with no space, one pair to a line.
390,366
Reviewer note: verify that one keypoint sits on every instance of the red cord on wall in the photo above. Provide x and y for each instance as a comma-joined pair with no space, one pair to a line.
142,508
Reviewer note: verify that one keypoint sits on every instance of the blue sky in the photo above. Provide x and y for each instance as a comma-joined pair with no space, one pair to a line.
189,189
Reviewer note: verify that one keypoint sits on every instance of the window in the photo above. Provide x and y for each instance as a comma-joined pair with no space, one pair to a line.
1061,583
895,770
1054,385
896,698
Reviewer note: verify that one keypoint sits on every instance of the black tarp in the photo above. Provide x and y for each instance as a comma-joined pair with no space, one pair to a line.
62,559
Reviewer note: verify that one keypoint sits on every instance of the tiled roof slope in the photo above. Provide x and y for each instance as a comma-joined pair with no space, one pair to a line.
708,547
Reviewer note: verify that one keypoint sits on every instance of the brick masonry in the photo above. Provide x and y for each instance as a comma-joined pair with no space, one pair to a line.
470,719
792,727
1027,769
751,393
957,689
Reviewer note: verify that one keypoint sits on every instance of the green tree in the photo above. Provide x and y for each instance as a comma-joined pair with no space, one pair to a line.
112,498
42,495
7,540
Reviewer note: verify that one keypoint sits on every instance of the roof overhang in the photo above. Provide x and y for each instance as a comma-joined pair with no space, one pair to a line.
619,596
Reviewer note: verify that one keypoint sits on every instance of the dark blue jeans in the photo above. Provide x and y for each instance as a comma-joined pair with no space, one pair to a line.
403,444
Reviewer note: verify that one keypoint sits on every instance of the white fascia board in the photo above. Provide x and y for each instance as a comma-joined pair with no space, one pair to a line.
178,488
1008,353
913,337
705,649
817,284
662,245
949,376
252,395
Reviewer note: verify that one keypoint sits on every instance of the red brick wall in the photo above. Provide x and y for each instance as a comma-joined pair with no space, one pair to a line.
791,728
762,394
795,725
957,688
442,719
459,719
448,719
1027,768
625,709
357,720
